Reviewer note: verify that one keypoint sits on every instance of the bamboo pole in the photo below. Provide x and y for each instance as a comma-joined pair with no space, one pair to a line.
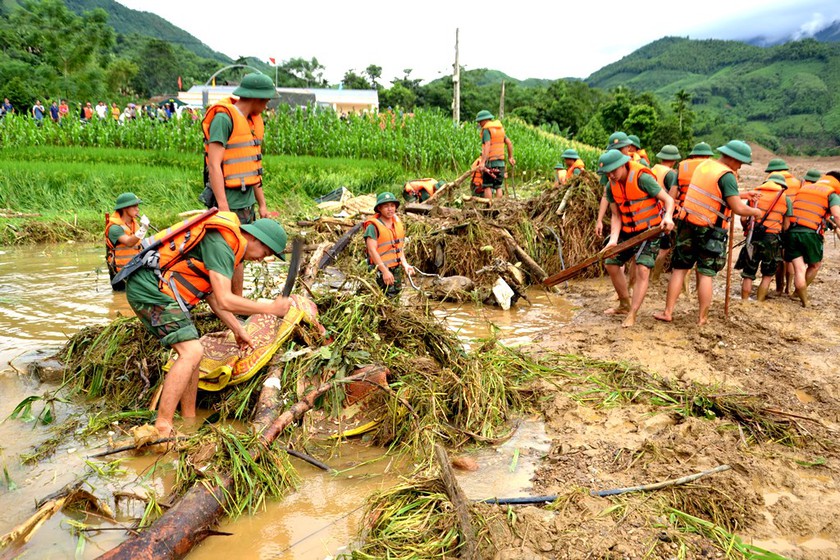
729,266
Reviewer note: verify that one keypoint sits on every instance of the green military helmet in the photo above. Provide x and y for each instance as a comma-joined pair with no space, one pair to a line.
611,160
484,115
813,175
126,200
737,150
779,179
669,152
570,153
384,197
701,149
617,141
559,165
439,184
270,233
256,86
776,164
635,140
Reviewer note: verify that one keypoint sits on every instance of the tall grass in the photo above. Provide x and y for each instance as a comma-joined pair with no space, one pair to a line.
425,143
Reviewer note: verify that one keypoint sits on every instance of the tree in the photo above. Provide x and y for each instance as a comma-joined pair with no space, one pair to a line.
119,75
157,69
351,80
303,73
374,72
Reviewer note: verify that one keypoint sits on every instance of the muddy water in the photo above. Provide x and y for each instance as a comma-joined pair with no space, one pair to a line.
48,293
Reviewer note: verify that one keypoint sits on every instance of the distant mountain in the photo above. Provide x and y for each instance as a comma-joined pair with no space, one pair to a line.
785,95
828,34
127,21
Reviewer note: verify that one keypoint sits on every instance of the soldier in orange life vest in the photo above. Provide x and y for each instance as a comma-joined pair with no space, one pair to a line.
493,144
421,189
123,234
766,238
784,275
685,170
636,152
814,204
198,264
617,141
701,236
635,202
666,176
384,241
572,166
477,178
233,171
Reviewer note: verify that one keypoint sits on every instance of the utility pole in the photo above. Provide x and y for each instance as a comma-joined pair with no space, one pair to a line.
502,102
456,84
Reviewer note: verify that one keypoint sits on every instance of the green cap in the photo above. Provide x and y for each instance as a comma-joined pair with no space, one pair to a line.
439,184
484,115
701,149
384,197
256,86
571,153
617,141
669,152
776,165
559,165
611,160
778,178
738,150
125,200
813,175
269,233
635,140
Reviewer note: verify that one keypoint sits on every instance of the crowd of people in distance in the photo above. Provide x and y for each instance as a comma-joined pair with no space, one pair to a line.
86,112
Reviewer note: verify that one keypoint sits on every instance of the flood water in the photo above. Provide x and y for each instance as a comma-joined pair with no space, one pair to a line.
48,293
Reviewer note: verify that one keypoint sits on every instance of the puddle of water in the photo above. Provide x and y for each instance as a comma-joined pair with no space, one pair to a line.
506,471
519,325
804,397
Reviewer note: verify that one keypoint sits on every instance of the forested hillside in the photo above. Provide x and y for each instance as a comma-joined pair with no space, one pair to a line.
784,96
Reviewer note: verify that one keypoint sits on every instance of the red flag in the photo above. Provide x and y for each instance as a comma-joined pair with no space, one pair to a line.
179,83
272,60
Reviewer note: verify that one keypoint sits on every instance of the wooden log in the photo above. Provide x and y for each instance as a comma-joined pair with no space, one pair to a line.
343,241
577,269
478,199
727,297
456,183
459,500
418,208
191,519
519,253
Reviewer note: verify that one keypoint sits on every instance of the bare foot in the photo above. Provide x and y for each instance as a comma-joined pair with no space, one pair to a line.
617,311
630,321
703,320
662,316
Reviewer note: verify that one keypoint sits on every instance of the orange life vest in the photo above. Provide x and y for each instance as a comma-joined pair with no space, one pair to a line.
119,254
660,172
477,179
775,213
242,160
793,183
570,172
810,207
684,173
704,204
188,276
414,187
389,241
497,140
639,211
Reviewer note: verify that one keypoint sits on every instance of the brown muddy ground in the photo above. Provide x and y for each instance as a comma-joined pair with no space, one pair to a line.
783,498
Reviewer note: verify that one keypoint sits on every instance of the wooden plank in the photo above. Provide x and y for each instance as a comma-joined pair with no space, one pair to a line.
459,501
577,269
456,183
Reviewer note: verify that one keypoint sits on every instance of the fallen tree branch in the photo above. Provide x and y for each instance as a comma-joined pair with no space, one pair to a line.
659,485
469,551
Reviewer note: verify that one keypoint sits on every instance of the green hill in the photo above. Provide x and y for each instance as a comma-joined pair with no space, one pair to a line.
127,21
787,96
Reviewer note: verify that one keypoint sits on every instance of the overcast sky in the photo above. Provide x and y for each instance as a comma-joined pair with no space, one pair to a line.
524,39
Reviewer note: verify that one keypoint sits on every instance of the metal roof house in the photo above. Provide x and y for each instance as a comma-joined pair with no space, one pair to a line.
340,100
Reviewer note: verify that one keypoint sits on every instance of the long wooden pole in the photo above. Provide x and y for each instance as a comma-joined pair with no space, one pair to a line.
729,266
456,84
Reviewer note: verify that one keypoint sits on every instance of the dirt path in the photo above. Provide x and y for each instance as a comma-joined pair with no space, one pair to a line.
781,497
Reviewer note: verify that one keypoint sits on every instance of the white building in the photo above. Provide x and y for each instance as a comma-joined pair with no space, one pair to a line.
340,100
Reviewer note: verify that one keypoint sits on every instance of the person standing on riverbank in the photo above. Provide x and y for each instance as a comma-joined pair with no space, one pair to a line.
638,154
494,141
635,199
701,236
571,167
617,141
233,172
123,234
204,271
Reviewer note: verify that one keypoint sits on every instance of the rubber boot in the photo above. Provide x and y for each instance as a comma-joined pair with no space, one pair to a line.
761,293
